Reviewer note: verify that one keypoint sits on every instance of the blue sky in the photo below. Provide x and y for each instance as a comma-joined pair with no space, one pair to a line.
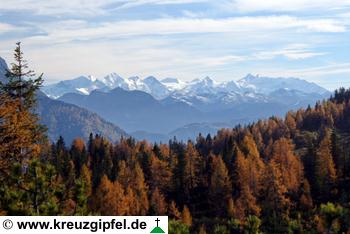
187,39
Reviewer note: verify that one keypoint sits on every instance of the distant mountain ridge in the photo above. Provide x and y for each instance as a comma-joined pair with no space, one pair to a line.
161,109
161,89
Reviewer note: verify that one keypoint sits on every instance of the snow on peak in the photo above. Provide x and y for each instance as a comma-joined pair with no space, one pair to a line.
92,78
204,87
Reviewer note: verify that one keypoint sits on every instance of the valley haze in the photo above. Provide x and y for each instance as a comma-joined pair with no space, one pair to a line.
159,109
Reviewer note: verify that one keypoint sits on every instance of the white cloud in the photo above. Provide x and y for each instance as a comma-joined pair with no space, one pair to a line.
80,7
293,52
65,31
6,28
135,3
284,5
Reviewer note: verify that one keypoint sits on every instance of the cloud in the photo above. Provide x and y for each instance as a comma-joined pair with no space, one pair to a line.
6,28
136,3
284,5
293,52
80,7
65,31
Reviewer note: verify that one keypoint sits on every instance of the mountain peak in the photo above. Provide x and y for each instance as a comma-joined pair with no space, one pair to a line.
151,79
170,80
92,78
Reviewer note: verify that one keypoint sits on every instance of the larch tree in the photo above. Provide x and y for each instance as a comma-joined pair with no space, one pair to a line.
255,166
158,203
186,216
110,198
173,211
193,167
141,189
220,188
276,204
246,203
325,172
288,163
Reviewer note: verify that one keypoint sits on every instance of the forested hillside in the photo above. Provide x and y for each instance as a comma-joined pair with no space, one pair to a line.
288,175
70,121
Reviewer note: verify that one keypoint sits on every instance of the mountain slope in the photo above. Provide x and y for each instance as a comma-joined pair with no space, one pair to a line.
136,110
3,68
71,121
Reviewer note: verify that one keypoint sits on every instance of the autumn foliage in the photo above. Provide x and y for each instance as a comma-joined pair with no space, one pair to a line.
280,175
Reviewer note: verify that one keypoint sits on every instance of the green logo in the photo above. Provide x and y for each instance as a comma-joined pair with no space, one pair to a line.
157,229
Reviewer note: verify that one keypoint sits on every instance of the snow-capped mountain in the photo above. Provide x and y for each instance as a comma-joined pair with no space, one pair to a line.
173,83
81,84
266,85
86,84
204,94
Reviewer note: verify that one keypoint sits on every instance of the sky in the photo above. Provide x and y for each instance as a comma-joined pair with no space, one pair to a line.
186,39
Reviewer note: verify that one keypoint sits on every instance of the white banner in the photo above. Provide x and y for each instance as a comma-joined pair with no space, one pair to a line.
83,224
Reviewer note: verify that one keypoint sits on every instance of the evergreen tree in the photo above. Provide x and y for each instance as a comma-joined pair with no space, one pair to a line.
21,134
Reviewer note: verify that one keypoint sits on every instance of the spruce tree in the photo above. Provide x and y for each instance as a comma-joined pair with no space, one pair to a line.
20,131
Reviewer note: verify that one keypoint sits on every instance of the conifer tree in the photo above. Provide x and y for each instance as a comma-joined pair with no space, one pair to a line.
21,133
192,169
246,203
255,166
289,165
186,216
110,198
173,211
158,203
325,173
276,204
141,189
220,187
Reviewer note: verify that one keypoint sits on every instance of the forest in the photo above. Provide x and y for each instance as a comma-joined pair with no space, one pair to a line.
279,175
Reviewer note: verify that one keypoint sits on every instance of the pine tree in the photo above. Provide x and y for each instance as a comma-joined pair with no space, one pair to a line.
35,192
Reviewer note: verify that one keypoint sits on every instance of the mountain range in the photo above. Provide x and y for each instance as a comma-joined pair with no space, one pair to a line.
155,109
173,87
160,109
